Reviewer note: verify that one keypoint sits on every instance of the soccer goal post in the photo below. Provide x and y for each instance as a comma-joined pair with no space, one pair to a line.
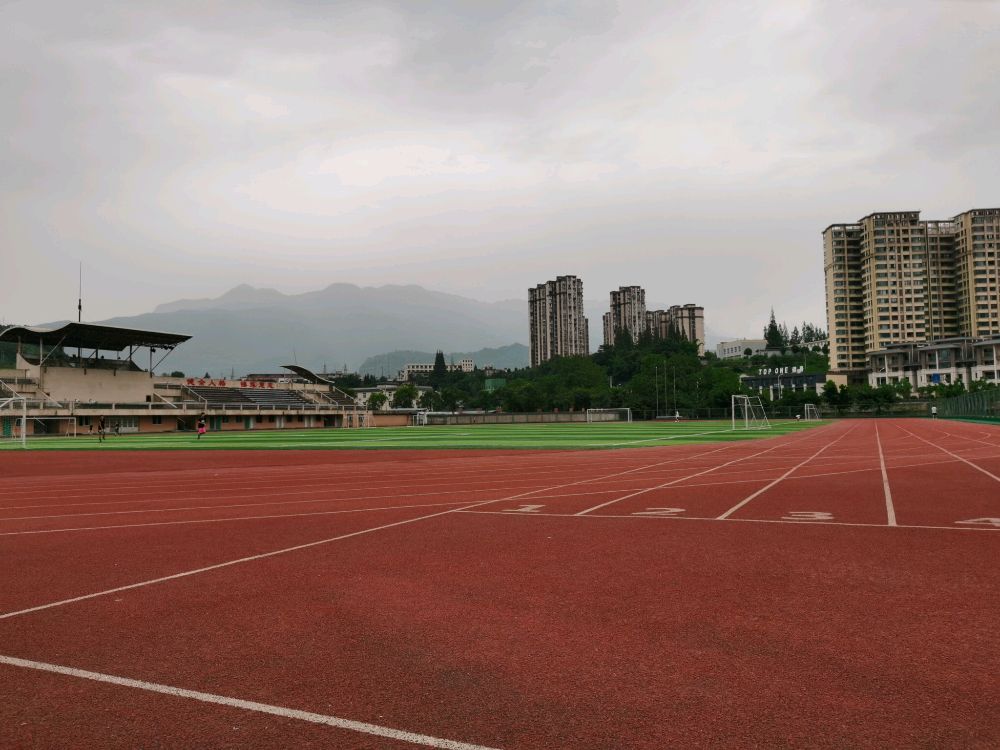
623,414
748,413
811,412
14,421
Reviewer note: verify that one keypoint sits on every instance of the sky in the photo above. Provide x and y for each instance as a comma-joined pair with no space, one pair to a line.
695,148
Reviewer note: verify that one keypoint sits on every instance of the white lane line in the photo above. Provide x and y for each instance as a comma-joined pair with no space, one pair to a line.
712,519
652,439
677,481
262,708
762,490
308,545
224,520
274,503
890,510
955,455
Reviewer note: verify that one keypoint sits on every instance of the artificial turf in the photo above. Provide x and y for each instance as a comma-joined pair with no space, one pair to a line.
563,436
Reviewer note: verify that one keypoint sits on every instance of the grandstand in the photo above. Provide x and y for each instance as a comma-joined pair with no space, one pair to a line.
75,374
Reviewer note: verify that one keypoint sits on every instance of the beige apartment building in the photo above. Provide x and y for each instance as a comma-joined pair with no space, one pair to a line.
558,325
688,320
628,313
895,278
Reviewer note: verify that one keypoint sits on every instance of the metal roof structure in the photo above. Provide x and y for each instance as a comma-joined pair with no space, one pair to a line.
93,336
309,375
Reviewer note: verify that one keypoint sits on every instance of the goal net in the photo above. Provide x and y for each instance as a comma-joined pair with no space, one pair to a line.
623,414
13,421
748,413
811,412
420,419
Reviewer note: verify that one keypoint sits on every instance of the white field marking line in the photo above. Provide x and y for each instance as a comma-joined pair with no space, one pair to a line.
303,489
973,440
276,503
890,511
296,487
273,553
263,708
343,483
653,439
224,520
803,522
254,479
762,490
954,455
675,481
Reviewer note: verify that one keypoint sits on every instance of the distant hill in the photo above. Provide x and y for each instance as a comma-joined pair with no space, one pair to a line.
258,330
504,357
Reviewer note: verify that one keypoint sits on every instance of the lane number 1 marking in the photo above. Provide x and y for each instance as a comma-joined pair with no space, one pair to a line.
808,515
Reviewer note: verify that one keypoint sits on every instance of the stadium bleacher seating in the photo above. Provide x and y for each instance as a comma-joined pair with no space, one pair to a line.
277,397
216,397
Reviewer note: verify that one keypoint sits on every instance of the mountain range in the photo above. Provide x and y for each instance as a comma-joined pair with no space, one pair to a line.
372,329
251,329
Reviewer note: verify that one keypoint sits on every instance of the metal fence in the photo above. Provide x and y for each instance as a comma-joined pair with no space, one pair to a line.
978,405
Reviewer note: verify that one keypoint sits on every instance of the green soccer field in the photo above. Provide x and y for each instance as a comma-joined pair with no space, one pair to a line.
568,436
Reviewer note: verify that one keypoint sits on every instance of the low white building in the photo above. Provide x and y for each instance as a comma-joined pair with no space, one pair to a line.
736,348
361,395
422,368
939,362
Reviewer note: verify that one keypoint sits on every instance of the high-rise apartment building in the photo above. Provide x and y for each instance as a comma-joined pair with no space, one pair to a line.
558,326
977,244
687,320
628,313
893,278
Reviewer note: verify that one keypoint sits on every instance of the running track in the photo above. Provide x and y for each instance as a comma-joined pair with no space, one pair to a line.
834,588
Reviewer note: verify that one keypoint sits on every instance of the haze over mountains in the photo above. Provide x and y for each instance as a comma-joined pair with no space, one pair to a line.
250,329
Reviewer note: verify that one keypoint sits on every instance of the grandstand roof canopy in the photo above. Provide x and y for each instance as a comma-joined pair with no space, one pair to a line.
309,375
92,336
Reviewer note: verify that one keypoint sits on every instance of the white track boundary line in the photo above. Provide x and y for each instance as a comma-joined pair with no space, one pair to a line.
262,708
659,437
308,545
678,480
715,519
434,505
890,510
955,455
762,490
224,520
275,503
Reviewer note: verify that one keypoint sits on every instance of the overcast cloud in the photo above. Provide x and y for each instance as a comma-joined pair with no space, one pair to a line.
696,148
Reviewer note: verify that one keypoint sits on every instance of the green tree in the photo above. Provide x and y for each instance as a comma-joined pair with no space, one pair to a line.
440,372
772,333
377,401
404,396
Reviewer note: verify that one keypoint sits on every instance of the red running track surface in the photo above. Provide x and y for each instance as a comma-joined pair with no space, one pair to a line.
532,600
